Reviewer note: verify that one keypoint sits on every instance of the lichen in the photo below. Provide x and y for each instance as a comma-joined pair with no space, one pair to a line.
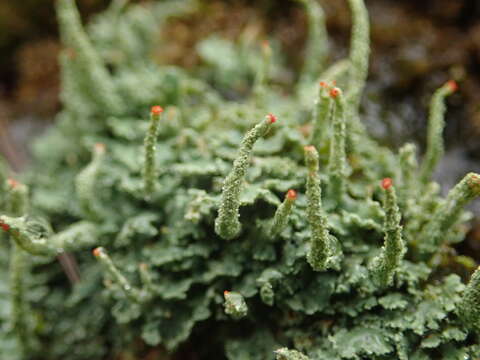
321,262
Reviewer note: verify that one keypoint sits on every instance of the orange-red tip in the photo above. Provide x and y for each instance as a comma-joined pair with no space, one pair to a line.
387,183
100,148
291,194
271,118
334,92
96,252
4,226
13,183
226,292
452,85
309,148
156,110
323,84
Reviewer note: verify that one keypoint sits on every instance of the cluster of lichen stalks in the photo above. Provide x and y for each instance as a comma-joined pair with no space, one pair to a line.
313,258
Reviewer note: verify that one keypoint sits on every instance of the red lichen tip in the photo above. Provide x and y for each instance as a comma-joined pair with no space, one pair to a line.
309,148
97,252
334,82
99,148
334,92
156,110
323,84
387,183
266,44
291,194
474,183
271,118
452,85
4,226
226,292
13,183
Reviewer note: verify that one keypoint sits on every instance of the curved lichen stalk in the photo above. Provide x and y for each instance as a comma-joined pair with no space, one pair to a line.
227,224
359,54
449,212
92,72
436,124
317,43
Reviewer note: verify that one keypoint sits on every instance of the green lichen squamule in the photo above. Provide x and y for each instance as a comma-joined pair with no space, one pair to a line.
310,264
235,305
286,354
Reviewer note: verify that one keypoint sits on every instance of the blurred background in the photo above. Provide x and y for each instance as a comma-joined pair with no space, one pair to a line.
416,46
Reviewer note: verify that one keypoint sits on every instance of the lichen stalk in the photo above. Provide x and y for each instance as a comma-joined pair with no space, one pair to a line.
31,235
280,219
227,224
102,256
436,125
449,212
359,53
93,73
337,165
317,42
323,252
469,307
384,266
146,278
86,181
17,204
150,171
408,168
321,114
263,74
